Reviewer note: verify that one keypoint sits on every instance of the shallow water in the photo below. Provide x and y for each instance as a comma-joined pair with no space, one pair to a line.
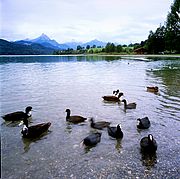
52,84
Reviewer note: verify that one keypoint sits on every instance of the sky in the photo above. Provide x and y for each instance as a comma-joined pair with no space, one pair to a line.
118,21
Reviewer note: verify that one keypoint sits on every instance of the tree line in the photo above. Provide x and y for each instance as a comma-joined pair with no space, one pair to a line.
109,48
166,38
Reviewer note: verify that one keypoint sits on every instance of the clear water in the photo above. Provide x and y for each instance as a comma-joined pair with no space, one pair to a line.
50,84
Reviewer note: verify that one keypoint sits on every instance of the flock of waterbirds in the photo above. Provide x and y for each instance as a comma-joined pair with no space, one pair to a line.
148,144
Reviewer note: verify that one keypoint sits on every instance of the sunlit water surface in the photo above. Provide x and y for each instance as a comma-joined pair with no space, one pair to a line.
52,84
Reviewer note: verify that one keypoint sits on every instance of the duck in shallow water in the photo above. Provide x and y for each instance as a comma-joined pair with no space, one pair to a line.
129,106
99,125
92,139
113,98
153,89
143,123
18,115
115,132
148,144
74,119
35,130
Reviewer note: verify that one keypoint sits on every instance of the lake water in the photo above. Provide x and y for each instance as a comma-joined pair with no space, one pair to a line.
50,84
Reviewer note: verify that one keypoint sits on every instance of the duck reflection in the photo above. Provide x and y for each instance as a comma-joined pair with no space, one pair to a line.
118,145
28,141
15,123
11,123
148,159
68,128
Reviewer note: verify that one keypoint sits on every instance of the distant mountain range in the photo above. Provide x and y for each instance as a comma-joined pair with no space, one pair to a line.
41,45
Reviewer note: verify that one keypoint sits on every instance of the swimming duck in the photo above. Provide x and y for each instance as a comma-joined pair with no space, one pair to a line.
115,132
35,131
143,123
148,144
153,89
18,115
113,98
129,106
74,119
99,125
92,139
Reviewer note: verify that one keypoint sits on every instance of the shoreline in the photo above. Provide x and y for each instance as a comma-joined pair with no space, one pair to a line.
116,55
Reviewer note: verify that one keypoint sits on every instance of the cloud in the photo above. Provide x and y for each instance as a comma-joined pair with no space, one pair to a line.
114,20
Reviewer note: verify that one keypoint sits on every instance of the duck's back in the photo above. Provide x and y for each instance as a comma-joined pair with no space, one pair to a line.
110,98
114,132
37,130
100,124
131,106
76,119
92,139
15,116
145,123
146,146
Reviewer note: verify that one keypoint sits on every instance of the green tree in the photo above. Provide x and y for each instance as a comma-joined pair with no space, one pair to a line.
110,47
94,46
118,48
156,41
88,47
79,47
172,36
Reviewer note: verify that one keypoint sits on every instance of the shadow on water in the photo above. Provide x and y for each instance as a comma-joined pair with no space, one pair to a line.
88,148
11,123
28,141
118,145
69,126
15,123
148,159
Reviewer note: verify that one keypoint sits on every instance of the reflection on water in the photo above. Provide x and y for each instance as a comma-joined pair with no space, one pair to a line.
118,145
168,72
51,84
149,160
27,141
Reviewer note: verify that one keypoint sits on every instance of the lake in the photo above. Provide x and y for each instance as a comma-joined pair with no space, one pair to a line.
51,84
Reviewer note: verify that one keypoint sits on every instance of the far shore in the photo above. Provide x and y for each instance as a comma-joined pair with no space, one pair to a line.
118,55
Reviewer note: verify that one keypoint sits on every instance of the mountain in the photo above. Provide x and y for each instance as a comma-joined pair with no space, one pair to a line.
41,45
72,45
45,41
95,42
23,48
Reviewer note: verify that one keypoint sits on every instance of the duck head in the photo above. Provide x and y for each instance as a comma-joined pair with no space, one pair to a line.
120,94
119,127
91,121
150,138
68,113
24,130
28,111
138,122
124,101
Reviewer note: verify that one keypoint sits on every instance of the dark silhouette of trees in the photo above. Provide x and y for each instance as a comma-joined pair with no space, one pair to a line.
110,47
166,38
172,36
